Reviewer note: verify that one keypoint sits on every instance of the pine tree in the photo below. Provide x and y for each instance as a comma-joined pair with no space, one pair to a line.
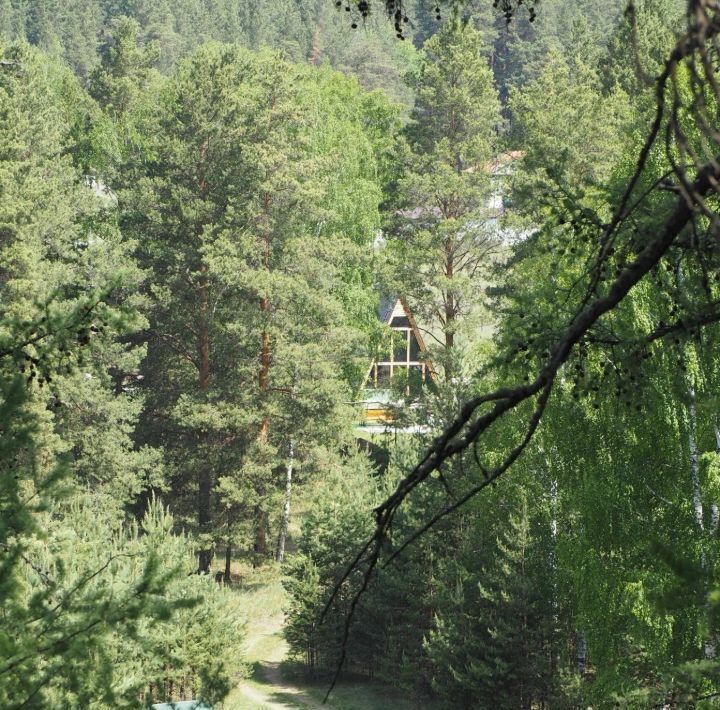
92,609
79,585
125,70
441,240
60,243
494,645
248,334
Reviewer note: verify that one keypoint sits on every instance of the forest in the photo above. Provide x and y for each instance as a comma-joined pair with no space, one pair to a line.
359,354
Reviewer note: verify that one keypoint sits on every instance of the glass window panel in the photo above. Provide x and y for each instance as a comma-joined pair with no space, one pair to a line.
383,376
414,348
400,322
400,345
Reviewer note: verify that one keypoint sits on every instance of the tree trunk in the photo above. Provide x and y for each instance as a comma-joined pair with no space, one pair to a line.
314,57
204,473
280,554
695,468
714,510
203,345
450,313
709,646
228,561
555,660
581,653
260,545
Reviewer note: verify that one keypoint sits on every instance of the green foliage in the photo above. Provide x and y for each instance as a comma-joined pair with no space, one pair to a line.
494,641
187,293
555,121
241,140
83,31
331,532
636,55
125,69
61,244
90,608
619,514
86,597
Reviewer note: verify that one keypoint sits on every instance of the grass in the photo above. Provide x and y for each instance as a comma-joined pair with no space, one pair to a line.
364,695
263,600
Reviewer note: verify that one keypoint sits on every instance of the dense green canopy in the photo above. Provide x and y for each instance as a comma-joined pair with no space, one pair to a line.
200,203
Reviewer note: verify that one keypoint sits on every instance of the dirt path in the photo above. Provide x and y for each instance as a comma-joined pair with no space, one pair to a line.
267,688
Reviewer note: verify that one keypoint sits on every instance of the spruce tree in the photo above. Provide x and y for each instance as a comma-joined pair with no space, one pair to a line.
494,645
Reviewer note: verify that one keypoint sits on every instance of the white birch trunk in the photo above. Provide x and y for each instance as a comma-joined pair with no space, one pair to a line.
581,653
695,467
280,553
553,560
711,644
714,509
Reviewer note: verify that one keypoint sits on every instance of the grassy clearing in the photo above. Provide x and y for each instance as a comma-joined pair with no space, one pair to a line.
275,682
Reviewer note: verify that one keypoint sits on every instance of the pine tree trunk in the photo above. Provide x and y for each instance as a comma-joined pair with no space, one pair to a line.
204,473
228,561
450,314
314,57
280,554
203,345
260,546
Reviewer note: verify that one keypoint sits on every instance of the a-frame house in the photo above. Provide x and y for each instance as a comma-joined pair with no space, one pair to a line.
403,358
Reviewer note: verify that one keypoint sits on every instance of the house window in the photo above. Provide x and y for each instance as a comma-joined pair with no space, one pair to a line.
400,345
399,361
414,348
383,377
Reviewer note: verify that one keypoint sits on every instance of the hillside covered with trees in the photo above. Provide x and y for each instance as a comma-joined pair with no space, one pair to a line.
401,315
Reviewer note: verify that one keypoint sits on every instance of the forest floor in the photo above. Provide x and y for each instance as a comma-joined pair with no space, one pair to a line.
273,683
